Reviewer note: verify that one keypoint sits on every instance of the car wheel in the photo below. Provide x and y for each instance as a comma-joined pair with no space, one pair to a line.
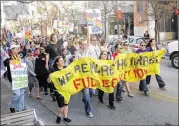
174,61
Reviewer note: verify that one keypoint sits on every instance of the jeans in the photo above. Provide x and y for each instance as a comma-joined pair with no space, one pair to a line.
87,94
143,86
111,97
119,90
158,78
51,63
17,100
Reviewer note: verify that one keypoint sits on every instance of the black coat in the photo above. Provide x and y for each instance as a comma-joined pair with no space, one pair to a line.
40,69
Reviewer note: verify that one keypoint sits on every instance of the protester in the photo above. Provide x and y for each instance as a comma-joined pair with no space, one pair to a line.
151,46
103,45
26,47
146,34
71,47
17,101
32,46
103,56
33,82
36,52
127,50
52,50
94,51
119,90
66,56
62,106
41,71
143,83
94,48
76,44
87,92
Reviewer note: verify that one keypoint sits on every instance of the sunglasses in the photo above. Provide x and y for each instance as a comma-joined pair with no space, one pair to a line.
120,48
104,54
126,44
142,45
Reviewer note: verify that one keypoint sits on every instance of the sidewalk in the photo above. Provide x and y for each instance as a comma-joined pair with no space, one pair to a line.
5,96
43,113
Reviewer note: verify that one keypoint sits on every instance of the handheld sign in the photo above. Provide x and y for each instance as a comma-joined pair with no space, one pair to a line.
19,75
93,17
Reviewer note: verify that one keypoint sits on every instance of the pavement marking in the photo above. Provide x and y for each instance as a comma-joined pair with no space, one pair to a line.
161,96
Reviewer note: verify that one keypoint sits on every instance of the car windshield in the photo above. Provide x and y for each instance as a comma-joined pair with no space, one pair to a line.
139,40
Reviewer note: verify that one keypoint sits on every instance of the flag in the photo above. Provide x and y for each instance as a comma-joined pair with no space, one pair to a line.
6,37
28,35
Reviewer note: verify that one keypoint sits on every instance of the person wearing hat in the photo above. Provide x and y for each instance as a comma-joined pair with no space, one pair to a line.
17,100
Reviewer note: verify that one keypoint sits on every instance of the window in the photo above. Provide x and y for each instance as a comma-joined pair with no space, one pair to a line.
140,6
131,40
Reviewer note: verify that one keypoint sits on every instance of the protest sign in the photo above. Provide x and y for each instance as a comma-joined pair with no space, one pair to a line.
62,25
19,74
93,17
105,74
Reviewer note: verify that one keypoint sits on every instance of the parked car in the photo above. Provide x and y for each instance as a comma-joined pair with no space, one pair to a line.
173,53
134,41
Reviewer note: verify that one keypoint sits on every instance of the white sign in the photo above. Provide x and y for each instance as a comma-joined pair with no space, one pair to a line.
93,17
19,75
94,30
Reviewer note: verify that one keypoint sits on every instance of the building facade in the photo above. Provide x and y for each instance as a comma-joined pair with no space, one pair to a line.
167,26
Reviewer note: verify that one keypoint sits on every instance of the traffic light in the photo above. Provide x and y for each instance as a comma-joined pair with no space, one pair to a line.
177,11
119,14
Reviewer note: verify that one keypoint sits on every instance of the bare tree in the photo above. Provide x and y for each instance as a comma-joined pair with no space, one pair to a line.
73,14
157,10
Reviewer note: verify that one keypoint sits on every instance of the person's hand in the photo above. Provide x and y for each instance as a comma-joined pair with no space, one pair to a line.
47,67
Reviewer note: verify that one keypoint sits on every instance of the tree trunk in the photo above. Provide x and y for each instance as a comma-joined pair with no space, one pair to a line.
156,32
105,27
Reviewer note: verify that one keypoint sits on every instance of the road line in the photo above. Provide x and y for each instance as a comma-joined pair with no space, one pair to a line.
158,95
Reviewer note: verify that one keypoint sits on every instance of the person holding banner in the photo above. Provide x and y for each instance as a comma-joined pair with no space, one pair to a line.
87,92
152,48
119,97
62,105
94,51
143,84
103,56
127,50
17,100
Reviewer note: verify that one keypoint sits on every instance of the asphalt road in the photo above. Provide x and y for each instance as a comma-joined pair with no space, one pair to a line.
160,108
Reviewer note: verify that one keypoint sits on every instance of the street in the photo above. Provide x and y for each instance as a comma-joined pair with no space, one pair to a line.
159,108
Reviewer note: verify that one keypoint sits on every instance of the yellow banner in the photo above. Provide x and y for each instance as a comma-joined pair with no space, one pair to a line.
105,74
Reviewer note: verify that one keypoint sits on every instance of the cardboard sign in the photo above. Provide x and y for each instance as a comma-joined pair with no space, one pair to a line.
19,75
93,17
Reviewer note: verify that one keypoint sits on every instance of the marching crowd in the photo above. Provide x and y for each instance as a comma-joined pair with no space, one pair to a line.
45,55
